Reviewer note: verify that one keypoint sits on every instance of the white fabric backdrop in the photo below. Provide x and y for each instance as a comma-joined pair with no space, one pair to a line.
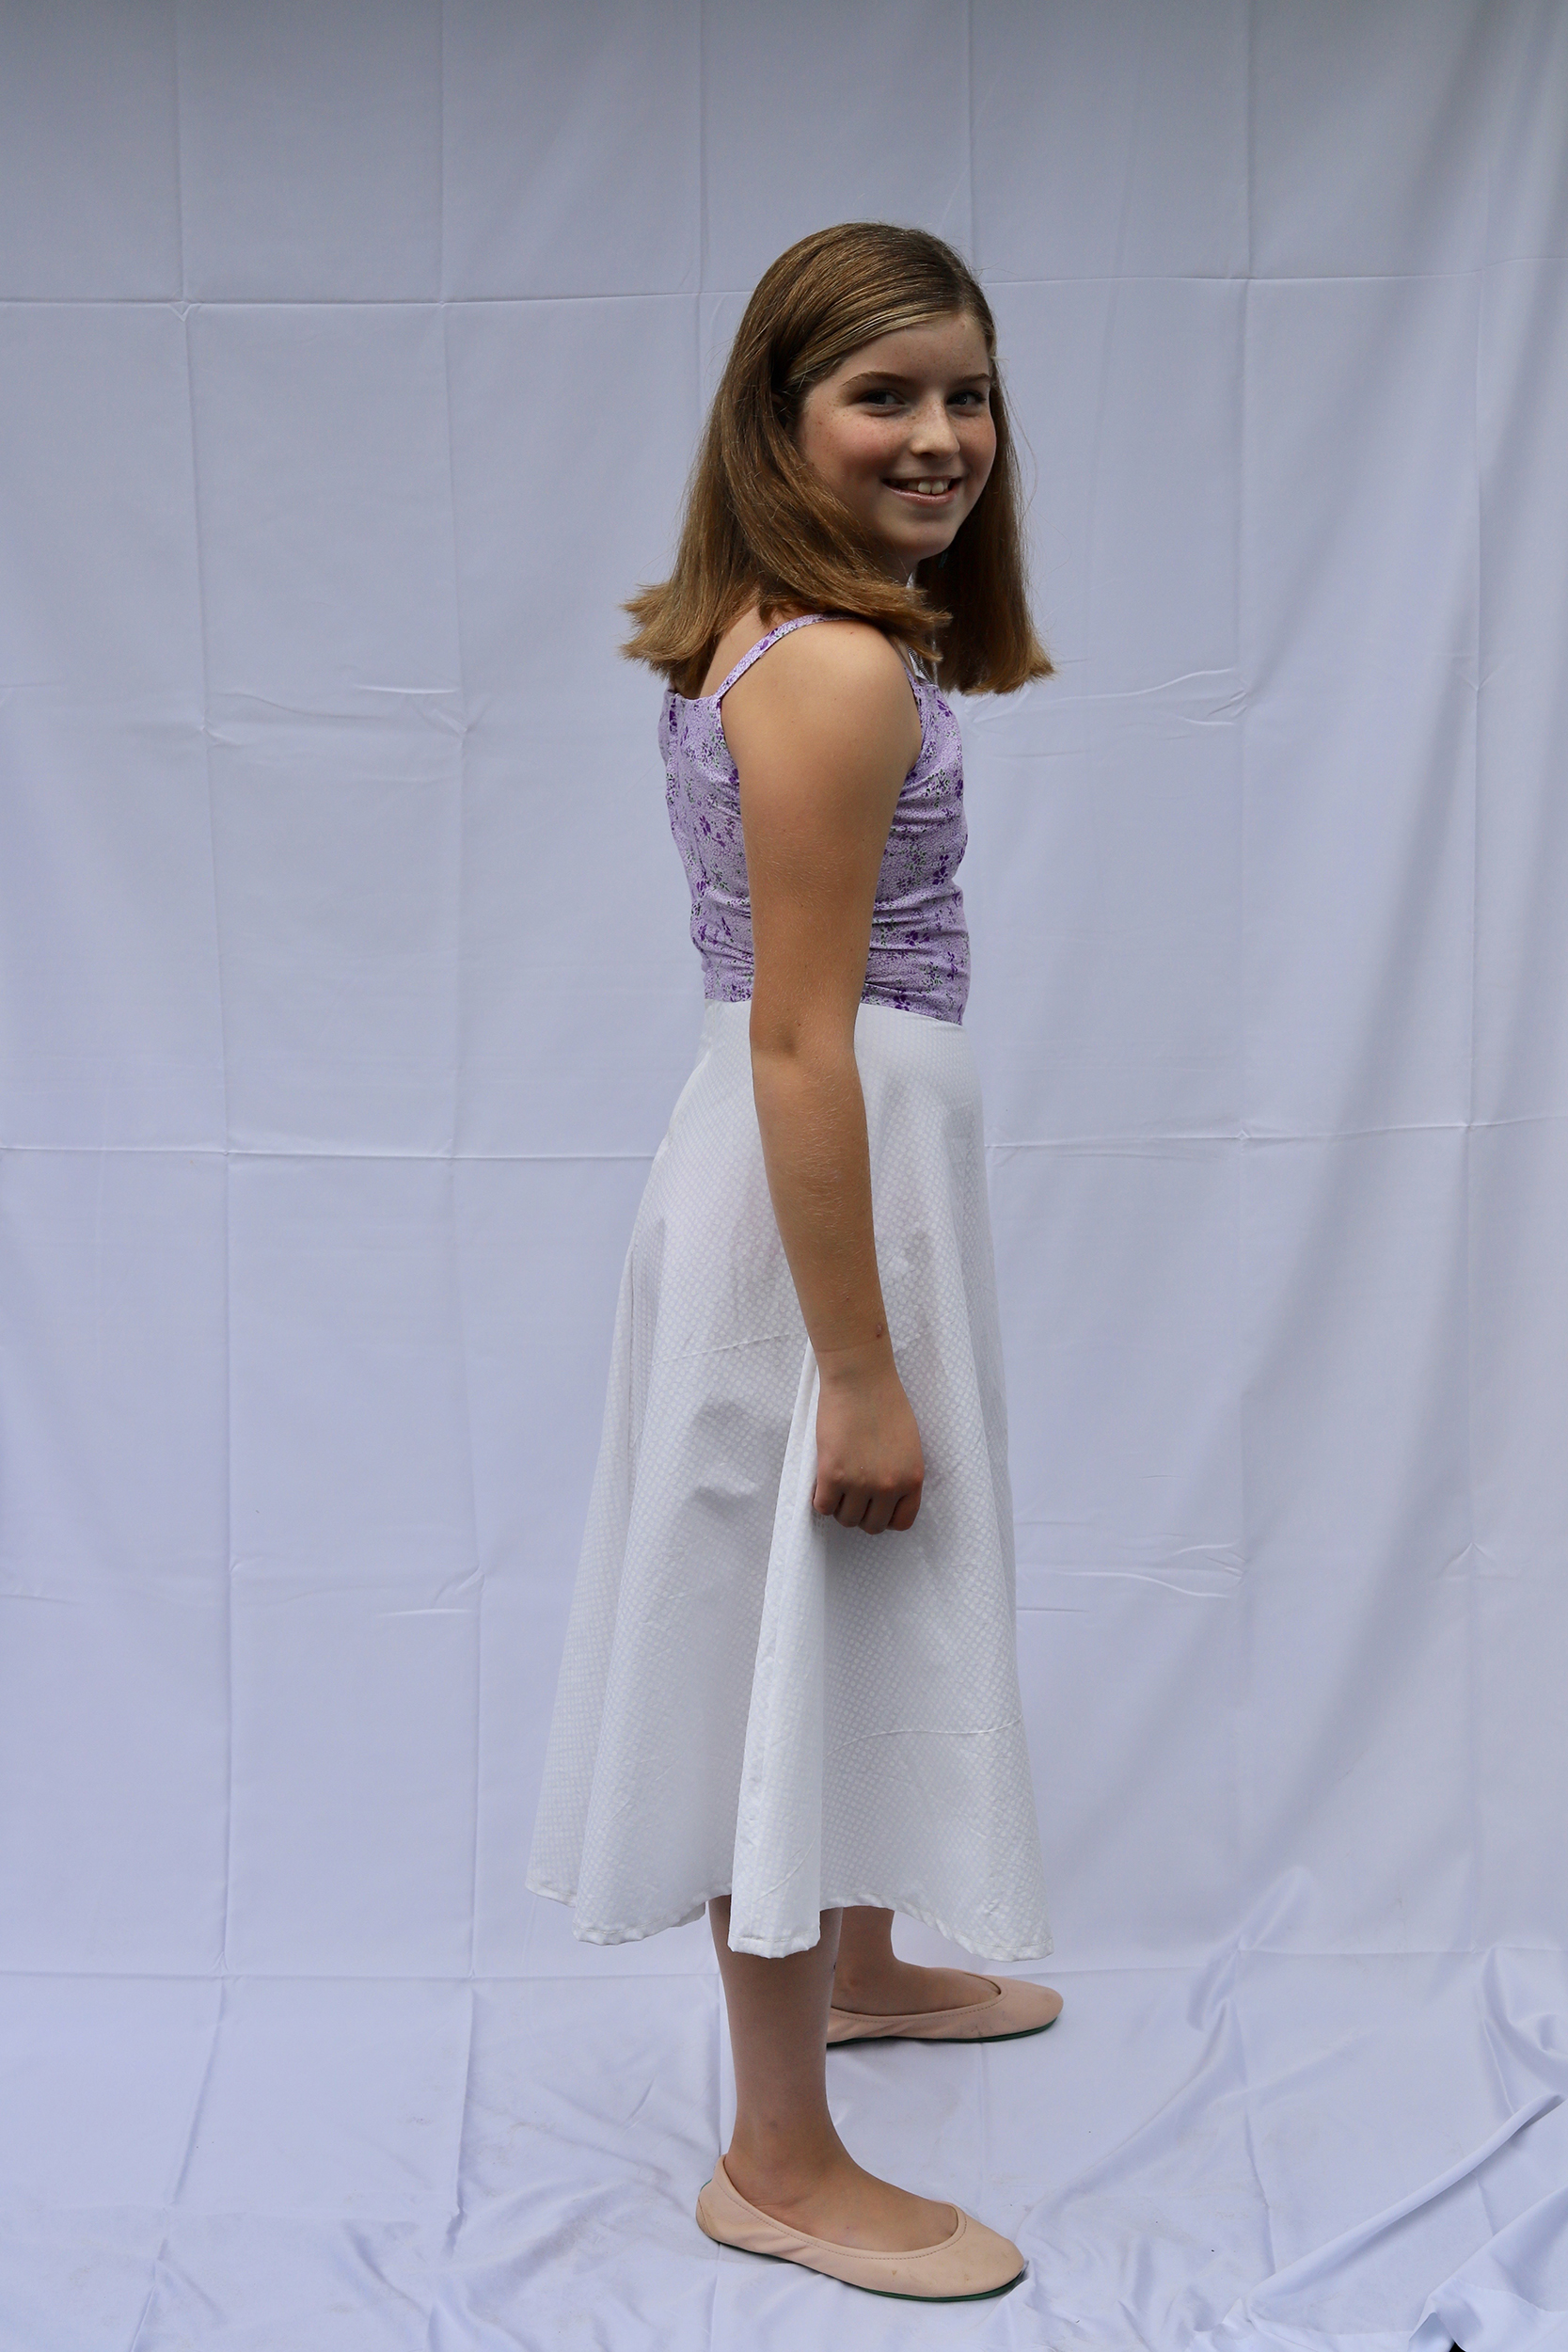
352,360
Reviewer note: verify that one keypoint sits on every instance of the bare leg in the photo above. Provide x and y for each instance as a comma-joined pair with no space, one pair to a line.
871,1979
785,2156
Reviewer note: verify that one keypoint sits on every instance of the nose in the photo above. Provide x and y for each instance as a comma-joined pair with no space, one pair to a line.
932,430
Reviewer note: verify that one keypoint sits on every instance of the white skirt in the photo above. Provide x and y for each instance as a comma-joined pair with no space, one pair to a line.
754,1700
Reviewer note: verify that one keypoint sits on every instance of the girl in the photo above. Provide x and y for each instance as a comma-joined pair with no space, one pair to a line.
760,1710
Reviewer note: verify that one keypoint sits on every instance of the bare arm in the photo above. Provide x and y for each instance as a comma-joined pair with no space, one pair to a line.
824,731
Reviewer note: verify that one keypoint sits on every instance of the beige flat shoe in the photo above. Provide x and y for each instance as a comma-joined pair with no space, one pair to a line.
974,2263
1014,2008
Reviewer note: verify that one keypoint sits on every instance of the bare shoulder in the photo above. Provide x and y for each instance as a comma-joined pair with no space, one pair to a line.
837,656
837,677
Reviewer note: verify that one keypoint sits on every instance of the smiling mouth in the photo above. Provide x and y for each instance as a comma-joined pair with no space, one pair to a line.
924,486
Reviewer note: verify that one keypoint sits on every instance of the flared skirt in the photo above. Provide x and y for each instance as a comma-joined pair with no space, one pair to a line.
754,1700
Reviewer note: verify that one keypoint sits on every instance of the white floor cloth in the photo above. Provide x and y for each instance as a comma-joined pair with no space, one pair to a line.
754,1700
352,358
1271,2154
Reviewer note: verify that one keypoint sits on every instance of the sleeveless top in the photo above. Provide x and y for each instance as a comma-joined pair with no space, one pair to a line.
919,956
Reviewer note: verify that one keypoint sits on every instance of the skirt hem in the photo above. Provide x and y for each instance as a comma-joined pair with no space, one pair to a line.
761,1949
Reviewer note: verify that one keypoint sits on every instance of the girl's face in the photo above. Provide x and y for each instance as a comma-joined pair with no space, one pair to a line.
902,430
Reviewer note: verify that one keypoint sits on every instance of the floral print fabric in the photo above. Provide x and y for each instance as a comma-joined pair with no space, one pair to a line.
919,954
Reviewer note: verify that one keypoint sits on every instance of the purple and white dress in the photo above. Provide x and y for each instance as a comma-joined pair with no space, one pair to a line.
755,1701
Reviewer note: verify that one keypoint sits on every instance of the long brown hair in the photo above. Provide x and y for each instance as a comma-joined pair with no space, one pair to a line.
762,524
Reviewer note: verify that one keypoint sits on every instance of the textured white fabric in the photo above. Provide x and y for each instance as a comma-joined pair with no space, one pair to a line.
754,1699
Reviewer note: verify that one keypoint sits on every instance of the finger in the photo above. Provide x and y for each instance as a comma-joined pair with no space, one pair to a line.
853,1509
877,1515
905,1512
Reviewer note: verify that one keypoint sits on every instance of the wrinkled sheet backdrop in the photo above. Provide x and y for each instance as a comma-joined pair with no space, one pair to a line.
353,358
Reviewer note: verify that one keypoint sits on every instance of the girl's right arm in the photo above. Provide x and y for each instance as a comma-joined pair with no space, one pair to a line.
823,731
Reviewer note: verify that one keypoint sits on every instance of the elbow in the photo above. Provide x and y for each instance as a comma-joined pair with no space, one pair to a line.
775,1033
799,1036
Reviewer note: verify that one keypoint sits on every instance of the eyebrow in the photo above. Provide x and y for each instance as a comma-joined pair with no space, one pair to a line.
891,376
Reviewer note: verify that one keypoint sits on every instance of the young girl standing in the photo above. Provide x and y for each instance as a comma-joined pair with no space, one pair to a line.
760,1710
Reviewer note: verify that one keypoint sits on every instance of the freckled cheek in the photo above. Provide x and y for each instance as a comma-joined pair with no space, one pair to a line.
867,455
980,457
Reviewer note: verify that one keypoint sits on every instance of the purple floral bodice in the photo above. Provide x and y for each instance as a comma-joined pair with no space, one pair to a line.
919,958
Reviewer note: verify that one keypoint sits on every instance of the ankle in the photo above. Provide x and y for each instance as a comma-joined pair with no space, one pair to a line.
780,2177
853,1985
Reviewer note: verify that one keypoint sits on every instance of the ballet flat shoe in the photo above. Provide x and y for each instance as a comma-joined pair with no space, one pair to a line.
973,2263
1015,2008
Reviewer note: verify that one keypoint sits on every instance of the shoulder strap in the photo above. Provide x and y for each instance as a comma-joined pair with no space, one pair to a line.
802,621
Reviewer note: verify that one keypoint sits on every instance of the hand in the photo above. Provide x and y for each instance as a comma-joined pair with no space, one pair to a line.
870,1466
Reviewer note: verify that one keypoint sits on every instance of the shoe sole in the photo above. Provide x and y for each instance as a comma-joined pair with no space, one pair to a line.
889,2295
958,2041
